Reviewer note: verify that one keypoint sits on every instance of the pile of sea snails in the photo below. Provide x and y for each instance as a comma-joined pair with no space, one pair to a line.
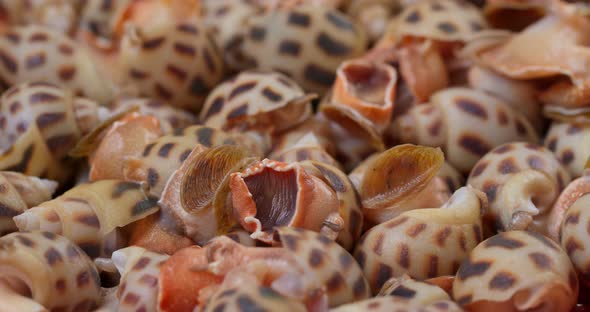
294,155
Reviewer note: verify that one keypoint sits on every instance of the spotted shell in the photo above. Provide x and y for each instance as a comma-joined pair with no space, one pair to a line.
57,15
138,286
416,292
398,246
161,157
444,20
35,53
252,298
268,193
89,214
43,121
56,274
450,121
574,236
522,181
256,99
306,43
373,15
170,118
99,16
308,147
350,209
566,199
516,271
570,142
327,262
177,63
19,192
386,304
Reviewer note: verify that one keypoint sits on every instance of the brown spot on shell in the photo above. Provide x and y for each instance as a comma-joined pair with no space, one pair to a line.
149,280
447,27
188,29
65,49
403,292
335,282
137,74
502,281
470,269
89,220
479,169
383,273
244,87
520,127
153,43
377,248
184,49
442,235
416,229
152,177
8,62
507,166
571,245
567,157
434,128
164,151
546,241
60,142
38,37
472,108
215,107
24,240
396,222
316,258
464,300
122,187
83,279
271,95
290,47
474,144
60,285
131,299
490,188
316,74
403,257
176,72
35,60
238,111
67,72
432,266
47,119
503,241
299,19
257,33
541,260
53,256
148,148
535,162
414,17
360,257
330,46
359,288
198,87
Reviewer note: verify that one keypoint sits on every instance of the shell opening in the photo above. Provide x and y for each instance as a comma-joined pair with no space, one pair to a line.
275,194
368,82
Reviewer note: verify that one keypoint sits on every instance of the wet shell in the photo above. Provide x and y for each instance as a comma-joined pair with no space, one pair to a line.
170,118
451,120
35,53
399,246
388,181
350,209
522,181
516,271
268,194
574,236
306,43
570,142
89,214
43,271
260,100
176,62
18,193
138,286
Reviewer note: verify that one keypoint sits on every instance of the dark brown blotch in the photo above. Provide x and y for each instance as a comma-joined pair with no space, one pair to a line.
507,166
403,292
316,74
470,269
403,256
35,60
316,258
383,273
502,281
472,108
242,88
416,229
414,17
153,43
299,19
289,47
238,112
331,46
53,256
541,260
474,144
89,220
503,241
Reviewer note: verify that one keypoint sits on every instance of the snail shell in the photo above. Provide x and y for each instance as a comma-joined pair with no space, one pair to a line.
19,192
88,214
570,142
516,271
522,181
43,271
35,53
398,246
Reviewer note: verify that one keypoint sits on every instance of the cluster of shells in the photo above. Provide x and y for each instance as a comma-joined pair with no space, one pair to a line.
294,155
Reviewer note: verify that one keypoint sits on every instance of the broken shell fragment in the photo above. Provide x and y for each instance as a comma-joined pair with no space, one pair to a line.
392,178
522,181
516,271
398,246
268,194
19,193
89,214
42,271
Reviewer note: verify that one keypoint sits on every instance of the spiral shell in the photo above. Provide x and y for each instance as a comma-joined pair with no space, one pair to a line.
522,181
43,271
88,214
35,53
398,246
19,192
516,271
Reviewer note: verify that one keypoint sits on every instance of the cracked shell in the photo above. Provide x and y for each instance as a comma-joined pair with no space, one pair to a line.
516,271
259,100
398,246
305,42
522,181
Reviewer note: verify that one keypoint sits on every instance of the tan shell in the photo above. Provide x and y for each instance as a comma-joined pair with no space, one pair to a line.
545,49
522,181
570,142
368,88
39,117
466,123
306,43
443,20
138,287
350,209
423,243
170,118
43,271
520,95
516,271
89,214
259,100
18,193
574,236
35,53
174,62
268,194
